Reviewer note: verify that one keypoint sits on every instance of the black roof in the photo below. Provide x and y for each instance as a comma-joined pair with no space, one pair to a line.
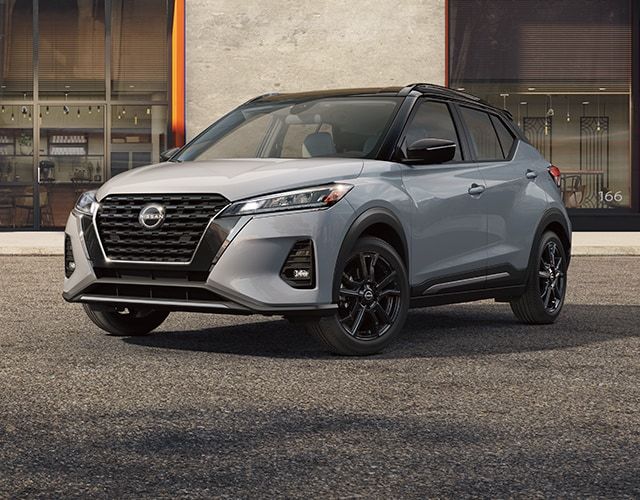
414,88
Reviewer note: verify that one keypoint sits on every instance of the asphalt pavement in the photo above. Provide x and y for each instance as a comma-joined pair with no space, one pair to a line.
469,403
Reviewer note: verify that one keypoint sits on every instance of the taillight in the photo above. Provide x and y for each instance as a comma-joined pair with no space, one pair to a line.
555,173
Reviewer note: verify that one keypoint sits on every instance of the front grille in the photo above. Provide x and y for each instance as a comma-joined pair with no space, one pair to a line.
168,275
158,292
187,217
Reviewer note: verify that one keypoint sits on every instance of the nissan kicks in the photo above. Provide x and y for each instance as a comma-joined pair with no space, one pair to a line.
338,210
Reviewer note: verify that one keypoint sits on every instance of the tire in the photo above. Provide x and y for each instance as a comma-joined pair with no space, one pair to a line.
126,321
372,307
546,283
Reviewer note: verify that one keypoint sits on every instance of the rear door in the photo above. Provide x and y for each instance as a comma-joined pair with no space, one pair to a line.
512,200
449,227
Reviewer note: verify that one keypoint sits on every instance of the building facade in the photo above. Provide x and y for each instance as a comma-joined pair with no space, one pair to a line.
90,88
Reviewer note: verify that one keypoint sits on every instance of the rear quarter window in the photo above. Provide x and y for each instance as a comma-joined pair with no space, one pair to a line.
504,135
482,134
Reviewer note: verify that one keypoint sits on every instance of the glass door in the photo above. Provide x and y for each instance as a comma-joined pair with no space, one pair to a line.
16,166
71,158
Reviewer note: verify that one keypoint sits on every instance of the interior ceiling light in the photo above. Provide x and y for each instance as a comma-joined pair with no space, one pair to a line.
531,88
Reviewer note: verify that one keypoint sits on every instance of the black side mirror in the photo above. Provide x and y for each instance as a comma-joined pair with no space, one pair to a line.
165,155
430,151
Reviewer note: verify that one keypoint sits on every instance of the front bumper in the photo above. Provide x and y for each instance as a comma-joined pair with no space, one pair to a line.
235,270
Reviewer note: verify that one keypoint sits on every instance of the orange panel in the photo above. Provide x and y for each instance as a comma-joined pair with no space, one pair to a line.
177,74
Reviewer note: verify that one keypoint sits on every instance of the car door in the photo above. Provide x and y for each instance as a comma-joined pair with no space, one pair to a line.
512,200
449,229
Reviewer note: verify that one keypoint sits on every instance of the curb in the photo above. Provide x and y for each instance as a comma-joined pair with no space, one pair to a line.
30,252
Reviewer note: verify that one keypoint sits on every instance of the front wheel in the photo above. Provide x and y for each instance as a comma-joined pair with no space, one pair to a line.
373,299
546,283
125,321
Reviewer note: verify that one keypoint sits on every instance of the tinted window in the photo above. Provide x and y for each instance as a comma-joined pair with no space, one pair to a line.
482,134
504,135
432,120
348,127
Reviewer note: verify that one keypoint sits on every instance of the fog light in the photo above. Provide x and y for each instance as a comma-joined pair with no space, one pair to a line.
301,274
298,269
69,263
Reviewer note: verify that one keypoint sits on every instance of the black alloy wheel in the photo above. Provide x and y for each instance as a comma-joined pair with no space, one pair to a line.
369,296
546,285
372,292
552,278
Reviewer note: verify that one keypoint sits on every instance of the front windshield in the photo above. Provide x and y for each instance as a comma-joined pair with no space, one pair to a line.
348,127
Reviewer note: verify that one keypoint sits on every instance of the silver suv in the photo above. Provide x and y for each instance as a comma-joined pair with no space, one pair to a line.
337,209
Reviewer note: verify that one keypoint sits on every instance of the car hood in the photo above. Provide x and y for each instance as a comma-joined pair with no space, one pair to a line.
234,179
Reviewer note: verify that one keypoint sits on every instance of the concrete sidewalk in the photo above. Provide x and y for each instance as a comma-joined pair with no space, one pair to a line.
584,243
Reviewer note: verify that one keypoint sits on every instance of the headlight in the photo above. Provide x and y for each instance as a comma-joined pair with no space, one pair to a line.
86,204
314,197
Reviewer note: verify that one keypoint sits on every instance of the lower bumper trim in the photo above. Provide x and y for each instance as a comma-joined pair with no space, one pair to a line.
220,307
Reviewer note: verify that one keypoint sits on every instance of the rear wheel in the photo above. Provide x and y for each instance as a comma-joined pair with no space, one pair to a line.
546,283
125,321
373,295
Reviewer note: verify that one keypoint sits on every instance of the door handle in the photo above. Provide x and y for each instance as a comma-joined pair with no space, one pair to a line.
476,189
531,174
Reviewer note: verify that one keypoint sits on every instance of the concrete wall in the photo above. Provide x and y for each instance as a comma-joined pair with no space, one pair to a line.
236,50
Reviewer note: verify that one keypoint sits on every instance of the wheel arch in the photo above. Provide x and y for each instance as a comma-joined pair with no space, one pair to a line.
381,223
556,221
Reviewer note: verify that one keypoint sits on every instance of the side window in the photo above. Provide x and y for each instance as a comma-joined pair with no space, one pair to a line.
432,120
482,134
504,135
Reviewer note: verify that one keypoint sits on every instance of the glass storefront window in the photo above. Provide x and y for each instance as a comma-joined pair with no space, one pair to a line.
139,49
16,50
138,136
16,166
71,48
71,158
563,70
53,145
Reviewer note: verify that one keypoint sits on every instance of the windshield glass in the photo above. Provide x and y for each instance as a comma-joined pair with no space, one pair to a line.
349,127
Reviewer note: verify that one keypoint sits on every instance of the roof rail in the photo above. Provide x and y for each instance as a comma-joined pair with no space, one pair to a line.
452,92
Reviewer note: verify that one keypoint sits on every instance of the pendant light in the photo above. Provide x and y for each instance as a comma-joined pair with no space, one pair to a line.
504,100
568,110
